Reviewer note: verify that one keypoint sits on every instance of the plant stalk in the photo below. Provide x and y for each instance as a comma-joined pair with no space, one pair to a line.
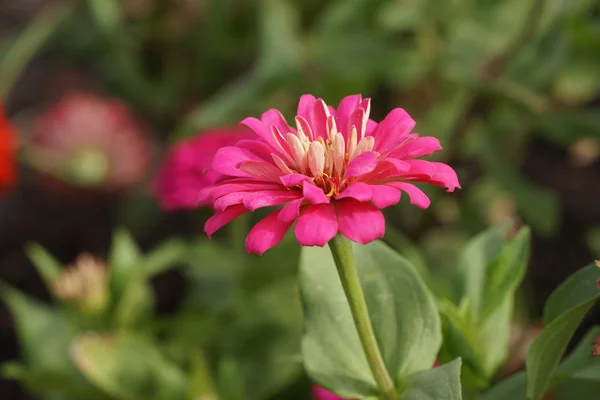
341,249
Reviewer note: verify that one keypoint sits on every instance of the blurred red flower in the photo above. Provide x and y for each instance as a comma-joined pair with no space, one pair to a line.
8,146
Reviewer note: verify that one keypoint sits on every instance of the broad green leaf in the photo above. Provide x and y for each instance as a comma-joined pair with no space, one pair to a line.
441,383
505,274
48,267
402,311
493,338
128,367
34,321
549,347
482,250
578,288
513,388
580,365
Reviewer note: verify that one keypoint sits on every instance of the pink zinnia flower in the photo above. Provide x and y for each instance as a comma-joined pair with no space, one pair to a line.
333,172
185,170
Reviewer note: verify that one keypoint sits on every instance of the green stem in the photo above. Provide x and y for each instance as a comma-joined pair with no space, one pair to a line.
341,249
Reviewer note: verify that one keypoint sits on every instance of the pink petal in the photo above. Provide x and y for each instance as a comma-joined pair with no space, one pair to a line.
262,170
445,176
261,149
392,130
419,147
371,125
318,122
274,117
266,234
253,201
361,222
358,190
316,225
344,111
305,106
314,194
259,128
384,196
356,120
229,199
233,185
292,180
318,393
361,165
417,196
227,160
421,167
222,218
290,211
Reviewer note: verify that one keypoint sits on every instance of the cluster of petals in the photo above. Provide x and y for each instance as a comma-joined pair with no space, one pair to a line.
8,146
331,173
185,170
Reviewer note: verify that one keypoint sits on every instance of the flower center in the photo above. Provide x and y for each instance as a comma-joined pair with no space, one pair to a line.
324,157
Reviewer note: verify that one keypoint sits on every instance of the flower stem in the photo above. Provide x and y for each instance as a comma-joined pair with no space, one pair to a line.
341,249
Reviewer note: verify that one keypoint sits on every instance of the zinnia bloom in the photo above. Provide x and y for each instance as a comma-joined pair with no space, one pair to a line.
8,145
333,172
185,170
90,141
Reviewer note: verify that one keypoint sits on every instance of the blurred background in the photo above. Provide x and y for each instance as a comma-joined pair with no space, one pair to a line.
97,91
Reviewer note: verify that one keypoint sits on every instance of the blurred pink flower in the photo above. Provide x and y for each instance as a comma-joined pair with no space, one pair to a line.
318,393
90,141
185,170
333,172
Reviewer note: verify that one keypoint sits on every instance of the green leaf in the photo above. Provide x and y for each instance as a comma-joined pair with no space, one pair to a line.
48,267
128,367
33,322
578,288
580,365
442,383
135,304
505,274
167,255
548,348
107,15
124,259
480,252
402,311
46,382
512,388
565,127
